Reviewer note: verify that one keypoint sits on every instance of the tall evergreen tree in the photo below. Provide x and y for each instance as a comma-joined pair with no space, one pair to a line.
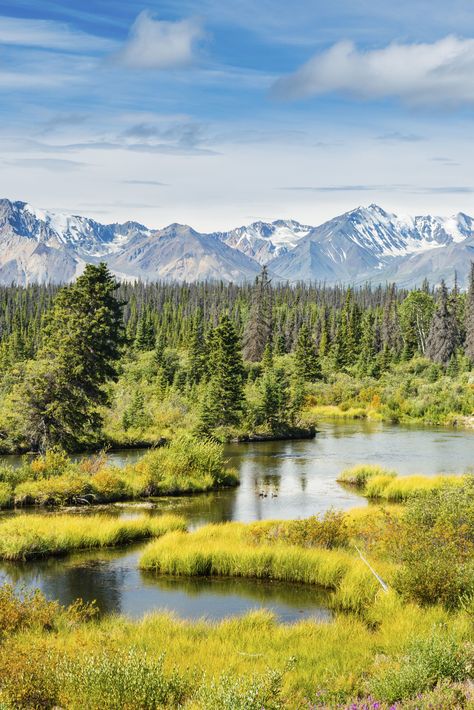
81,344
259,330
197,350
307,365
469,317
224,398
441,342
145,336
275,396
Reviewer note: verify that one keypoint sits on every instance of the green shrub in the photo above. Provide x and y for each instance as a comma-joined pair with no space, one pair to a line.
6,495
426,662
186,464
120,679
234,693
434,542
329,530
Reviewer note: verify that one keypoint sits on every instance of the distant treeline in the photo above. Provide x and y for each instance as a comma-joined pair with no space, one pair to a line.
364,324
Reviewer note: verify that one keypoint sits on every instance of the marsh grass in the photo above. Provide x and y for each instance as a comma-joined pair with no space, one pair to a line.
400,489
376,482
24,537
227,550
243,663
360,475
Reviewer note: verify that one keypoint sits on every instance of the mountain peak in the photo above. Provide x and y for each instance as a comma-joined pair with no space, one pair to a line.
364,244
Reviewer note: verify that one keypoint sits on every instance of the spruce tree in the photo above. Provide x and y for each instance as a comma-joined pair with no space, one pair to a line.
259,330
469,317
275,395
441,342
223,402
307,365
81,344
145,336
197,350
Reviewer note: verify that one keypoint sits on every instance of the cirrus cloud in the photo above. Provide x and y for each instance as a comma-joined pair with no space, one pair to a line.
156,44
440,72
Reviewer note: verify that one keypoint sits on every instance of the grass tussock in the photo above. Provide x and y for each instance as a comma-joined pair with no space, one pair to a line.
400,489
186,465
376,482
228,550
27,536
360,475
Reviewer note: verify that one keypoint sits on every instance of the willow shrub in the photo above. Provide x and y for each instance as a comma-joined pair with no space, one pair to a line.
185,464
433,542
328,530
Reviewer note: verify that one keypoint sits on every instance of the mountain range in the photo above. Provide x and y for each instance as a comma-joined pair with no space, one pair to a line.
366,244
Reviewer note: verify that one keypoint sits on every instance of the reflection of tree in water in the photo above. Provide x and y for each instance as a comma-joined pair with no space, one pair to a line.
200,508
89,578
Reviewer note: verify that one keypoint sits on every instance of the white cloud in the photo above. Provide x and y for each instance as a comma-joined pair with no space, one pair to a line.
48,34
438,73
155,44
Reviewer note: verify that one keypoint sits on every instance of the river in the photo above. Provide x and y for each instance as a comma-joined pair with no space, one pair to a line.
278,480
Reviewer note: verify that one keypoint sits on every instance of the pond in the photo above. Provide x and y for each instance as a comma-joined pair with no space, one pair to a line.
289,479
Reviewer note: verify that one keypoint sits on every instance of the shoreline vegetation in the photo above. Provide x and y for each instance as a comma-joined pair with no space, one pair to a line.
184,466
29,536
377,483
408,647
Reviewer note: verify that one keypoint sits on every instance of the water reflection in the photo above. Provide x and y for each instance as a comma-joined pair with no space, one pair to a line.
112,578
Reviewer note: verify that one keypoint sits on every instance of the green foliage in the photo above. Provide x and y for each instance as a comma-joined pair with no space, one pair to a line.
416,313
234,693
223,402
186,464
80,345
307,365
434,541
426,662
328,531
123,679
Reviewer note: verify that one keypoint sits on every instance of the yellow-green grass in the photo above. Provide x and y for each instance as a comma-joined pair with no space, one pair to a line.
27,536
227,550
359,475
215,665
400,488
376,482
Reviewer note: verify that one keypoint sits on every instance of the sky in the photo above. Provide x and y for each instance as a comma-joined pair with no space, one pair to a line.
217,113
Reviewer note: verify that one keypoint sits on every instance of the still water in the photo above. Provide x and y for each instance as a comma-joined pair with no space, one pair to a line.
278,480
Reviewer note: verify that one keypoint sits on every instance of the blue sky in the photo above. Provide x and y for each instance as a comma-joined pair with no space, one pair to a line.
217,113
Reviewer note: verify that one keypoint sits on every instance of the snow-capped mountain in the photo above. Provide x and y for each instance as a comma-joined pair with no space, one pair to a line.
179,253
365,244
265,241
370,244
